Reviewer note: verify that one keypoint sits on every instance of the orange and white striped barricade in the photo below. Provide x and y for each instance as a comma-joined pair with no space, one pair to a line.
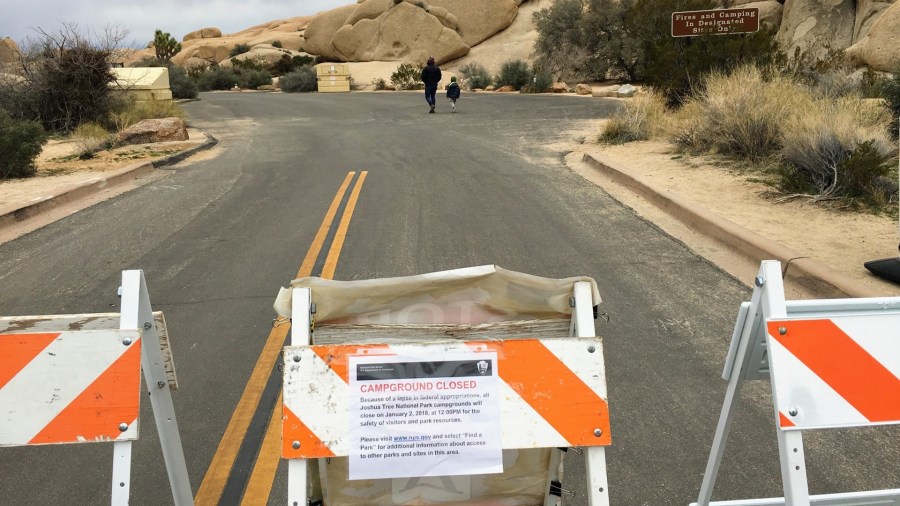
76,379
831,363
411,409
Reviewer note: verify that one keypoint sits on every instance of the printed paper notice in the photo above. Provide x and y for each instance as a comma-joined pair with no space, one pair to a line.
435,414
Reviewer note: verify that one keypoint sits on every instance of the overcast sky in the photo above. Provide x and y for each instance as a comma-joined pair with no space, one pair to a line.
19,18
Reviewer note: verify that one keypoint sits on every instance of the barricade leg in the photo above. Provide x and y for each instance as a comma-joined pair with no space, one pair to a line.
300,335
121,474
137,313
732,398
595,457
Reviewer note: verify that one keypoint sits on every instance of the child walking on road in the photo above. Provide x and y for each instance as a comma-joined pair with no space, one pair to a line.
453,93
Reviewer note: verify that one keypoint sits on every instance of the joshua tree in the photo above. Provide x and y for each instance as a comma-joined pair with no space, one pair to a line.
166,47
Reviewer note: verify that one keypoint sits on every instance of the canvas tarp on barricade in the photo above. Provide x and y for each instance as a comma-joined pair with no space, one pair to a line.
468,296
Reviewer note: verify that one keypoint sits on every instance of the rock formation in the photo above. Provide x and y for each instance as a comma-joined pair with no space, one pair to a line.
9,52
490,32
879,47
407,30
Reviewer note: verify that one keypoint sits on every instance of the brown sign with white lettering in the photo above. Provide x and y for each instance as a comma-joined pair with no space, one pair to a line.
715,22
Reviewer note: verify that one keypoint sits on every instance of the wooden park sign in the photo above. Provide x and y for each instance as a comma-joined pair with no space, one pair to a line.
715,22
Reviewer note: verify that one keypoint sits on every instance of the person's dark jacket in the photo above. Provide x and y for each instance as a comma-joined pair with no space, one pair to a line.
453,91
431,75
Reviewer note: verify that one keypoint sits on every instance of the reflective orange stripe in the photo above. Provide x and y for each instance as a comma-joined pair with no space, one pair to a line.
112,399
553,391
844,365
784,421
17,350
310,444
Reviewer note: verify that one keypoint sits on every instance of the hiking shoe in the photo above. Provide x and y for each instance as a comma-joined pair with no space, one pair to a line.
432,110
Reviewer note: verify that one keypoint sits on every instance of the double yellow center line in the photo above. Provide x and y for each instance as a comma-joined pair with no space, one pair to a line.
263,474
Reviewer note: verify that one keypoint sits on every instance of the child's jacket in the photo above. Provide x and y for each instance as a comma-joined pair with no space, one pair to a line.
453,91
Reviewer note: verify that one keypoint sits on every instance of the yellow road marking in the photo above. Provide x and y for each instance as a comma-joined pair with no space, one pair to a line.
338,242
216,477
310,260
260,485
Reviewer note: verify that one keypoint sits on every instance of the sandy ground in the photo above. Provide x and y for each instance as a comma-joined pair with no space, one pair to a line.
842,240
58,167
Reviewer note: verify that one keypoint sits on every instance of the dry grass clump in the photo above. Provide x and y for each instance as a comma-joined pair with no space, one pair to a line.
133,111
836,149
827,146
90,138
740,114
642,117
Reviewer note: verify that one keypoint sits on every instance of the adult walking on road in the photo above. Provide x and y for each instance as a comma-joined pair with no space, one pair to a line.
431,76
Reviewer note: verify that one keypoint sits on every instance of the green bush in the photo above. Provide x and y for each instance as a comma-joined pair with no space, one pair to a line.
379,83
406,77
540,82
239,49
515,73
218,79
256,78
631,40
300,80
20,145
277,43
475,76
181,84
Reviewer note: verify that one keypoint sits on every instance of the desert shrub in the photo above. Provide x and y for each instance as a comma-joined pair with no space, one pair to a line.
277,43
819,143
475,76
90,138
631,40
20,145
300,61
66,79
539,83
300,80
689,129
640,118
745,113
181,84
406,77
218,79
255,78
239,49
890,90
515,73
379,83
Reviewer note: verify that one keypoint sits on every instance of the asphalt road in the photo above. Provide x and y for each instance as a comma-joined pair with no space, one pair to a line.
217,238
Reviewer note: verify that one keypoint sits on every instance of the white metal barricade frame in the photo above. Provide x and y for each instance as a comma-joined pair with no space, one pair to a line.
158,371
748,359
582,326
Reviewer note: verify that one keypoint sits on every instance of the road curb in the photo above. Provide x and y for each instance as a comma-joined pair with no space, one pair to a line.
798,268
11,215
